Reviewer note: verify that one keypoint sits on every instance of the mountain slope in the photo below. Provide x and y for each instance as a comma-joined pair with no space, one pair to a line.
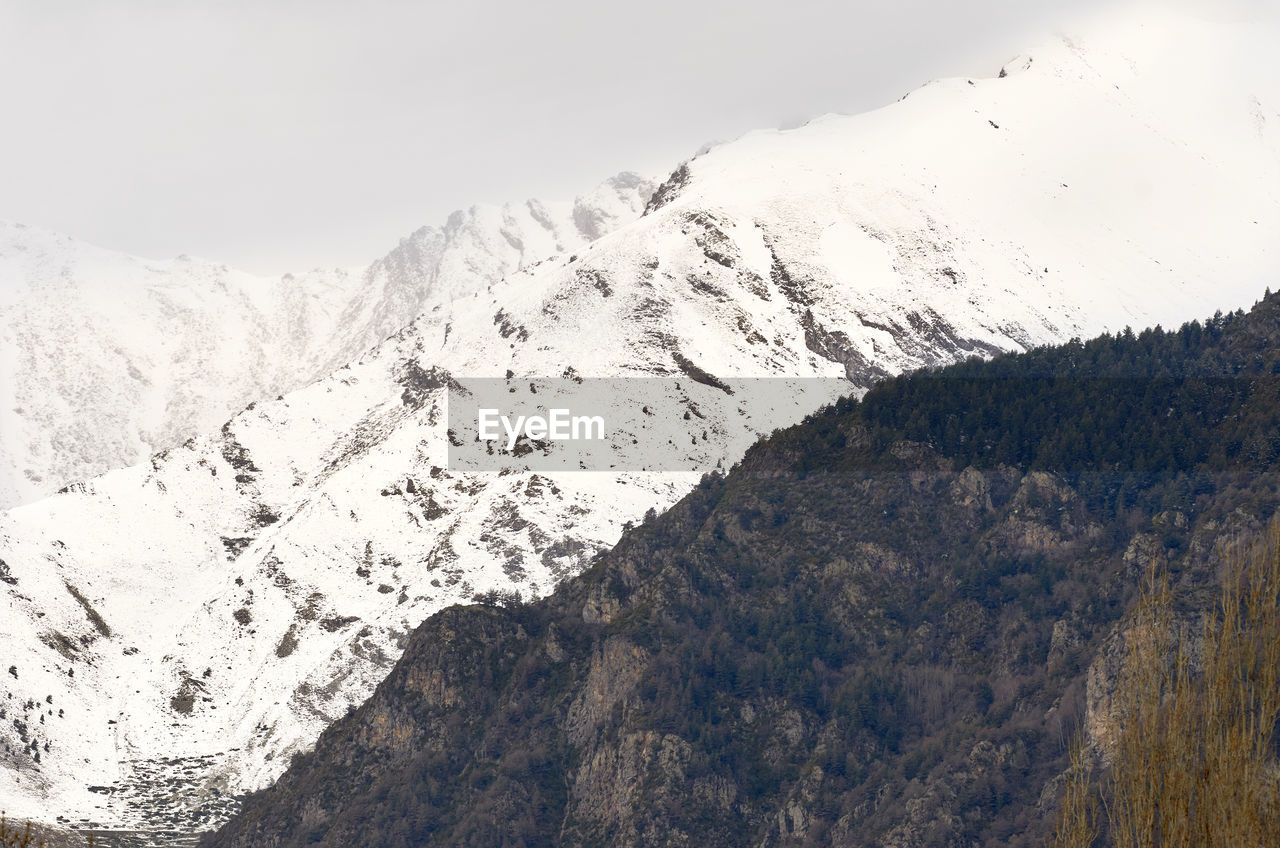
872,632
250,586
108,358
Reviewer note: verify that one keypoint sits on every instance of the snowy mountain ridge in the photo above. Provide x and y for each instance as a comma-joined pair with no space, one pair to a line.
107,358
200,616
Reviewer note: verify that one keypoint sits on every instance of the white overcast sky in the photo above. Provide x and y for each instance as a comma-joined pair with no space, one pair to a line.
277,135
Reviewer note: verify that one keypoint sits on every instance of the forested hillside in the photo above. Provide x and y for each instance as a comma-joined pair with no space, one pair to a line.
883,627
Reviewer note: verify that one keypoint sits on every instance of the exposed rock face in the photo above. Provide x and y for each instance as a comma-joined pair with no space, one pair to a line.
844,642
552,724
851,249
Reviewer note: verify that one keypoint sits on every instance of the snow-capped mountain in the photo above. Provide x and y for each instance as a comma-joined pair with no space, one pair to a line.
107,358
177,628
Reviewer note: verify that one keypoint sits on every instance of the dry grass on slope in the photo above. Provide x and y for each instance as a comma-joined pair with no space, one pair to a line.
31,835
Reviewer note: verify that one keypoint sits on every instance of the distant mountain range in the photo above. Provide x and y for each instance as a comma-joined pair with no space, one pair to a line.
201,616
110,358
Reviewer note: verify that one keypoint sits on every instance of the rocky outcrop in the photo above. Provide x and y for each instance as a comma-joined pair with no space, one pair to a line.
843,642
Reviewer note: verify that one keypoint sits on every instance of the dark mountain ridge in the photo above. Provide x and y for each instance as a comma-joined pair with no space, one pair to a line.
878,629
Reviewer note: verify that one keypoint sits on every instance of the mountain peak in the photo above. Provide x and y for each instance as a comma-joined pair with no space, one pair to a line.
151,352
305,538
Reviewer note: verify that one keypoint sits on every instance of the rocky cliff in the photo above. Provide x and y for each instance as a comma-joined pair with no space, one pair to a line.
877,630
